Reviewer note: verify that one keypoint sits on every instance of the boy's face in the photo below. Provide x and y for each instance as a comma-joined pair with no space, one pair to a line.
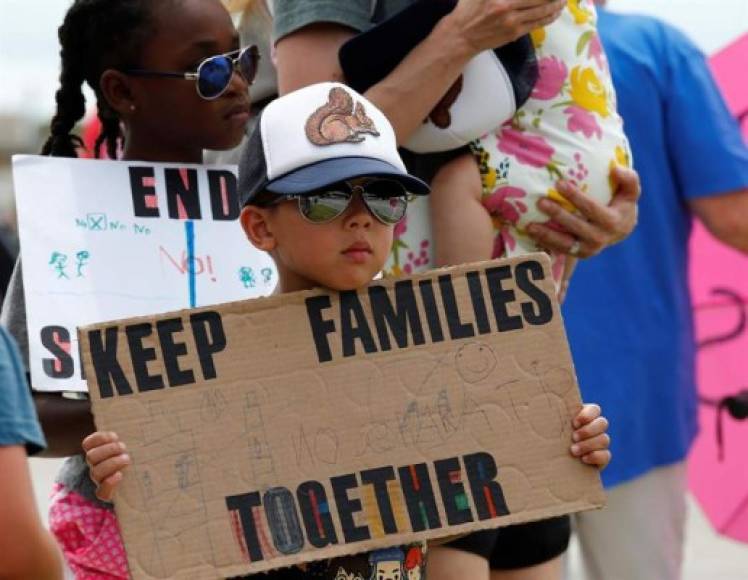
344,254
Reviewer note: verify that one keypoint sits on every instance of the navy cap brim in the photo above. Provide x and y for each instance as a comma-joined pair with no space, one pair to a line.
318,175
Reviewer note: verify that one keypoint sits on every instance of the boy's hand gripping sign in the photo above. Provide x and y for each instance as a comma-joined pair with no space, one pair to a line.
280,430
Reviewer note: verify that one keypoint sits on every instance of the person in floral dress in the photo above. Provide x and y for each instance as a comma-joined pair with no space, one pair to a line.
567,132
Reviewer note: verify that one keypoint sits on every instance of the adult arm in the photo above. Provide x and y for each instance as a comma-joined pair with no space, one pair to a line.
725,216
409,93
28,551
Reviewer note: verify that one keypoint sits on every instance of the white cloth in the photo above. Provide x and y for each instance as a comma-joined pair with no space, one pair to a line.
640,534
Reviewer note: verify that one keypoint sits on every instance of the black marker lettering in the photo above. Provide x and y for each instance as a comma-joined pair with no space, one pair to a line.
500,296
142,192
172,350
399,319
56,339
106,365
320,327
210,339
350,309
141,355
544,312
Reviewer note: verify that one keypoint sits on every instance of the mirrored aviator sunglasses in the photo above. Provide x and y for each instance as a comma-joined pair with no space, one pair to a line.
386,199
213,75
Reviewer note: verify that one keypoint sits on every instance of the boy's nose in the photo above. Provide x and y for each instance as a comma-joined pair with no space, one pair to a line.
358,215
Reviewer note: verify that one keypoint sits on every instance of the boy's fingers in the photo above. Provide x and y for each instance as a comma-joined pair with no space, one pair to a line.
591,429
599,459
98,454
97,439
598,443
109,467
105,490
588,414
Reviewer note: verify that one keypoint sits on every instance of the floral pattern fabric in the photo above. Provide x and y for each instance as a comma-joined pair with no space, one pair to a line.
568,129
88,536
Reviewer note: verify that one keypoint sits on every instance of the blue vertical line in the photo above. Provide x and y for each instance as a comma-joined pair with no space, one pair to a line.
189,232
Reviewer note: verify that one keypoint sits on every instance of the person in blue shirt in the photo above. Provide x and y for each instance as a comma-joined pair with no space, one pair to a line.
28,551
628,313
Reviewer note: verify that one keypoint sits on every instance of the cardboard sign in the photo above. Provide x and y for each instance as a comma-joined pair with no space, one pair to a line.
112,239
311,425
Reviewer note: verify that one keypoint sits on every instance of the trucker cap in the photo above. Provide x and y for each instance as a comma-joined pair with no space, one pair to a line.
316,136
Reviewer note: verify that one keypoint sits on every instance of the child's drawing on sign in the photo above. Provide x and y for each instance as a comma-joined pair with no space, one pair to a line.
414,563
81,259
343,574
267,275
386,564
188,264
59,262
247,276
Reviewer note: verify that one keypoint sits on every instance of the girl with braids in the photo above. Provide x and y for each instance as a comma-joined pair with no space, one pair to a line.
170,81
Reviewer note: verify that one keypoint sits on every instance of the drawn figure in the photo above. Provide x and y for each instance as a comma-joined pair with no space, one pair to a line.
338,121
475,362
81,259
247,277
386,564
59,261
182,465
413,563
343,575
267,274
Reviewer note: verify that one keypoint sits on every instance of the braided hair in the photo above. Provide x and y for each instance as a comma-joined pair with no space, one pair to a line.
95,35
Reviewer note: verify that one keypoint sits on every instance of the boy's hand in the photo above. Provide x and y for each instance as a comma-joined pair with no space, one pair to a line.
591,442
106,458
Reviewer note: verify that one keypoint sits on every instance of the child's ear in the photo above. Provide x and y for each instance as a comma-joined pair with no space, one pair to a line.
115,86
255,225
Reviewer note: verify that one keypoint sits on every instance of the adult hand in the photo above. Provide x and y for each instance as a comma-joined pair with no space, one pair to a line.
594,226
488,24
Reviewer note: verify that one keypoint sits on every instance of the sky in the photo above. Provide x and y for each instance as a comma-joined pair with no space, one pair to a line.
29,49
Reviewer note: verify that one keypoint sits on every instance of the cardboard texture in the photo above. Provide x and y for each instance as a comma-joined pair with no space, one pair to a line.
310,425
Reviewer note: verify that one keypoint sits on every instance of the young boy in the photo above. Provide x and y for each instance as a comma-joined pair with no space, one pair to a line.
323,186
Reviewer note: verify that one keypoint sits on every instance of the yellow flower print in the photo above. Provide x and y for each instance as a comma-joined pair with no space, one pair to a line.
588,92
538,37
581,14
622,157
561,200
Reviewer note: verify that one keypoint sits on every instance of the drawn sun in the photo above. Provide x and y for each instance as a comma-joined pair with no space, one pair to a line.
475,362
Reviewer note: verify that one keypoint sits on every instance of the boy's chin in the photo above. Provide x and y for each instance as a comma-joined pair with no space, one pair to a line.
345,283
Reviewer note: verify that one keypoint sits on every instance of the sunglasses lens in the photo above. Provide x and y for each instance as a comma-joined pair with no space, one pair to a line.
214,76
389,210
248,63
325,207
387,200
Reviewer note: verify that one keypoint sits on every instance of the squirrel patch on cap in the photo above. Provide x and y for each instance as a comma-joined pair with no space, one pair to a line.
337,121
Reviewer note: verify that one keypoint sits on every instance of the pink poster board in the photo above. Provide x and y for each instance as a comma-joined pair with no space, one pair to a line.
719,288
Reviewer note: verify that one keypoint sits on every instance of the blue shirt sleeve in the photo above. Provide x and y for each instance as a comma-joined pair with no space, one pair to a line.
18,422
707,149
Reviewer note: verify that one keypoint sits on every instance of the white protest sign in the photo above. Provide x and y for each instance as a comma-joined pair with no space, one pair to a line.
112,239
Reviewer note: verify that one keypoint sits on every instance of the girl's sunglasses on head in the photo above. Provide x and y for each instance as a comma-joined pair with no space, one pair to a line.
386,199
213,75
